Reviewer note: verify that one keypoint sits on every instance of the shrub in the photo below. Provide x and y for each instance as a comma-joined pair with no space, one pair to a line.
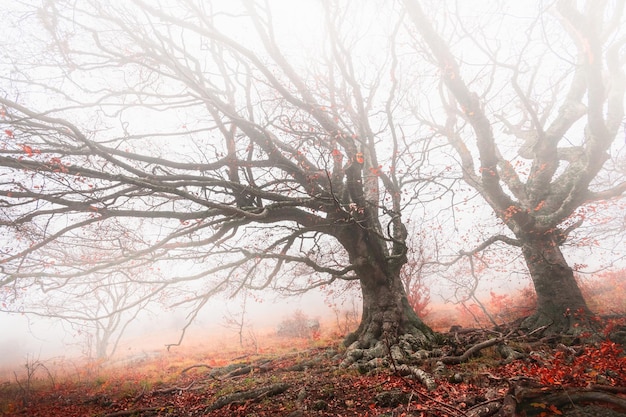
299,325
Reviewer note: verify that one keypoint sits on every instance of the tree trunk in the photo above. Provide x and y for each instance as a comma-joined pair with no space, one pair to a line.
386,313
560,303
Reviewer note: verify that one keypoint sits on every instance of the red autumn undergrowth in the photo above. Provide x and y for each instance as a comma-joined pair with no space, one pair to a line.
604,293
602,365
162,386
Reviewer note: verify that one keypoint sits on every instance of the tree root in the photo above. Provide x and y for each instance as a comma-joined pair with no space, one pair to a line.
165,391
454,360
133,412
422,376
199,365
524,396
560,398
252,395
485,409
405,356
522,400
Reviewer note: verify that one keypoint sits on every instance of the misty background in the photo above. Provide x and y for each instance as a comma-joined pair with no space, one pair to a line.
445,224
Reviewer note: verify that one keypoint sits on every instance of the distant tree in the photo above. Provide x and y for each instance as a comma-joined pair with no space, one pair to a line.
298,324
203,143
534,119
414,277
102,314
98,307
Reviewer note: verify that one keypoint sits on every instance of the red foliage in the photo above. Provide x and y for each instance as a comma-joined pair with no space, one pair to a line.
28,150
412,275
605,291
605,364
502,308
419,299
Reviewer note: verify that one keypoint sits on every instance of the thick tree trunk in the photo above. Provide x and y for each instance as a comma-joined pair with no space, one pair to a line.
386,313
560,303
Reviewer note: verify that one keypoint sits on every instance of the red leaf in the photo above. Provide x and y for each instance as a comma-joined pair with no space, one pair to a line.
28,150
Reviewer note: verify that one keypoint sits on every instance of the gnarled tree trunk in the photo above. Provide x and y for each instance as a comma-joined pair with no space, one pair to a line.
553,175
560,303
386,310
386,313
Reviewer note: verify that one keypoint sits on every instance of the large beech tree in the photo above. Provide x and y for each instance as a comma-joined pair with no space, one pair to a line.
207,140
251,148
536,128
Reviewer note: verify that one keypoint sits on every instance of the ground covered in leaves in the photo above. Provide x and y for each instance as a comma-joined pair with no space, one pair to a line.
475,371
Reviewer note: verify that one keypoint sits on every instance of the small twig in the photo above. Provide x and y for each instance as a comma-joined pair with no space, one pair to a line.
140,396
174,389
538,330
442,404
200,365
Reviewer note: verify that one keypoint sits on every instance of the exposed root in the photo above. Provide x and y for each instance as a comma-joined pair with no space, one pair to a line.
200,365
488,408
174,389
401,355
523,398
400,352
133,412
422,376
252,395
453,360
408,357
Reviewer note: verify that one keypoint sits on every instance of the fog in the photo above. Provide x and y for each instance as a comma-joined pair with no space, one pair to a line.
181,245
49,340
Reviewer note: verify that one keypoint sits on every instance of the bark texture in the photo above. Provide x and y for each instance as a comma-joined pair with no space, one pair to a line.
387,314
560,303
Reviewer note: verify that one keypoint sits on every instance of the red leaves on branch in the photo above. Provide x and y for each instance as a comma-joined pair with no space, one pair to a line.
28,150
376,171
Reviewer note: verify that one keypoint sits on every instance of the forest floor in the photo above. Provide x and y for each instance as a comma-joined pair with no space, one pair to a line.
545,377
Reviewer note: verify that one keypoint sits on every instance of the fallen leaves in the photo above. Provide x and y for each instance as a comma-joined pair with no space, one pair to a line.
309,382
603,364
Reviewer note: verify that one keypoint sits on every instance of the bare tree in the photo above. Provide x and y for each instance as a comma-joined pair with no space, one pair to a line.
202,143
99,307
415,272
534,126
103,314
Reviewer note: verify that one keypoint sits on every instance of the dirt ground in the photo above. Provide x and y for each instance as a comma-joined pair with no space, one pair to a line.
545,377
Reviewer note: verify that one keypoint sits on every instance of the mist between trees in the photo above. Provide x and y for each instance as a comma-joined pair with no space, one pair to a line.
157,152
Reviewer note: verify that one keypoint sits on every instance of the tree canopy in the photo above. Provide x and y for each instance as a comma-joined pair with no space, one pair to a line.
225,150
161,135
